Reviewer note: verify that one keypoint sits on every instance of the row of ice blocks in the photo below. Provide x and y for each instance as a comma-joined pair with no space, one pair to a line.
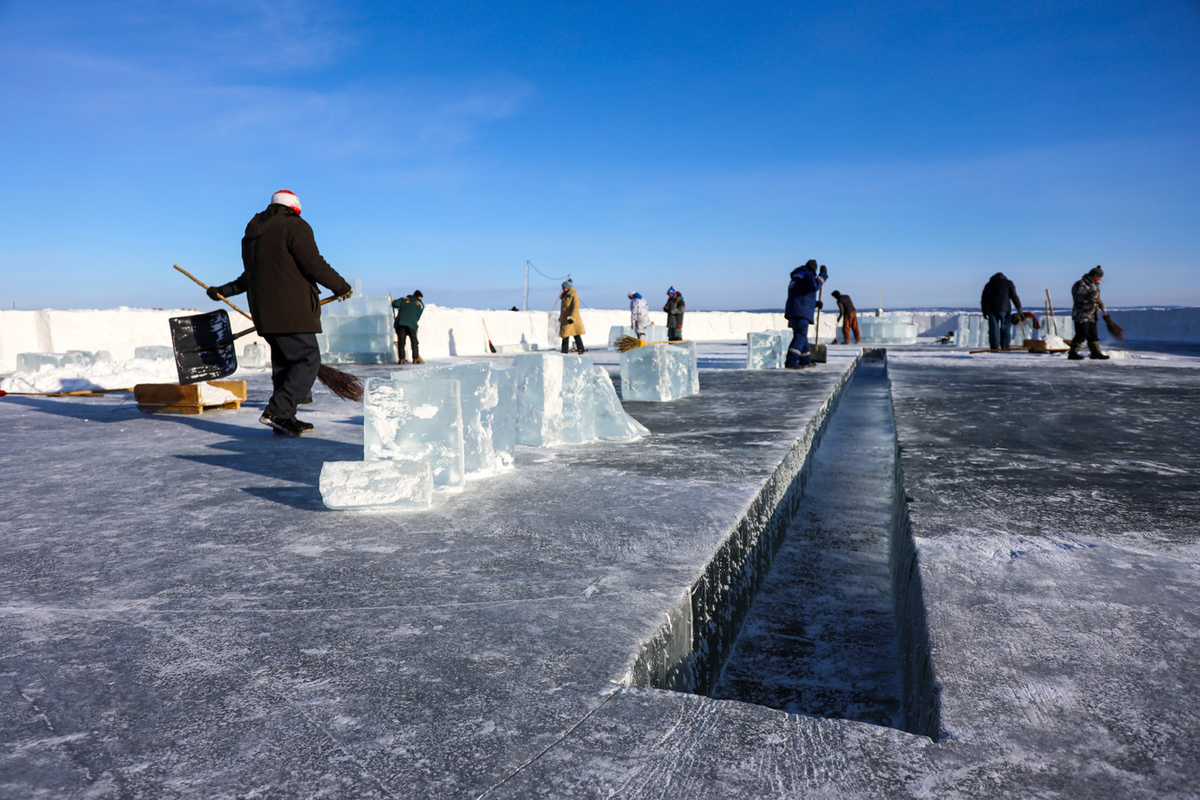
357,331
660,372
32,362
971,330
767,349
464,421
654,333
888,329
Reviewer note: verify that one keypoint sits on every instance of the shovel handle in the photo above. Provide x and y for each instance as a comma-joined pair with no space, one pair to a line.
230,304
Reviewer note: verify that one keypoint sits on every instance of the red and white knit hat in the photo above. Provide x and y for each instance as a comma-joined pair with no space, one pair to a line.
287,198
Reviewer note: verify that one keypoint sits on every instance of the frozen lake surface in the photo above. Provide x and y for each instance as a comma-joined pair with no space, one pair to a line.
180,616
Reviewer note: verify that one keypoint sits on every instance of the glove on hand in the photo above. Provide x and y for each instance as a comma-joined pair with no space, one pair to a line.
820,305
346,296
824,272
213,294
570,320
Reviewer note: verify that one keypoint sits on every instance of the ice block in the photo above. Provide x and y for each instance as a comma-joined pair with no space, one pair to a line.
659,372
613,423
416,420
393,484
539,398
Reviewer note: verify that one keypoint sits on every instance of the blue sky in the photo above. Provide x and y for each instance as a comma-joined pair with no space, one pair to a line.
915,148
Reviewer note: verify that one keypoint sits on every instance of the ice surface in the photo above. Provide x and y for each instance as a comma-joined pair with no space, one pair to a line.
155,352
416,420
613,424
766,350
539,399
478,397
392,484
659,372
578,400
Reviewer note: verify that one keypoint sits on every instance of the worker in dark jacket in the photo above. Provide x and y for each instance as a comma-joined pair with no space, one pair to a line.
1085,312
800,309
996,302
408,316
282,269
847,315
674,309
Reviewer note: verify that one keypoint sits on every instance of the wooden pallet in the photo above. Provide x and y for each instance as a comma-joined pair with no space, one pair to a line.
184,399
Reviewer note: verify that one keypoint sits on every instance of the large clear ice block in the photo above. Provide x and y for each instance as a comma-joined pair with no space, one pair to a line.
766,350
478,397
32,362
539,399
613,423
416,420
500,414
578,400
393,484
659,372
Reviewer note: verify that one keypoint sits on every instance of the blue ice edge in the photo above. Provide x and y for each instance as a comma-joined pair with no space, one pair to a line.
687,652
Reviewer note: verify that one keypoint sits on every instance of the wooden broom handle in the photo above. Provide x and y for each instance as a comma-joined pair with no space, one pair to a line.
226,299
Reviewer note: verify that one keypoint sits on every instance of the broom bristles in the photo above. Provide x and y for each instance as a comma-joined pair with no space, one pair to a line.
626,343
1116,330
343,384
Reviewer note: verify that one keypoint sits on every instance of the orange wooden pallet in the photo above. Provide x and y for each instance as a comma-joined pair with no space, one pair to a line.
184,399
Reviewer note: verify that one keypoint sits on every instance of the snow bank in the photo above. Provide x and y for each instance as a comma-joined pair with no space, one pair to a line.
444,331
465,331
118,330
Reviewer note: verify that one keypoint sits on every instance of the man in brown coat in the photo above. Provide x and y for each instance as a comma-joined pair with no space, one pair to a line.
569,322
282,269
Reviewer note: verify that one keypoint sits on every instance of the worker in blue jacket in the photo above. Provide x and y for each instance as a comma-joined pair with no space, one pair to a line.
800,310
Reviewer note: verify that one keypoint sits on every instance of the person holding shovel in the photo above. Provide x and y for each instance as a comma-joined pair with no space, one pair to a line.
800,310
282,267
408,316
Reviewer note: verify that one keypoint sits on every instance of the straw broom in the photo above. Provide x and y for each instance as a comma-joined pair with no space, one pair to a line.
343,384
1116,330
626,343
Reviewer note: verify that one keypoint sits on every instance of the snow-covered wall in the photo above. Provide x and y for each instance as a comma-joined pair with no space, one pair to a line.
443,332
117,330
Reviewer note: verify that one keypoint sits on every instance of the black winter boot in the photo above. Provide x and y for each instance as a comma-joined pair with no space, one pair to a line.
1094,349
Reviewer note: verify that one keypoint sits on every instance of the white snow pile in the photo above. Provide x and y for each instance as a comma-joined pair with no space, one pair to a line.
123,374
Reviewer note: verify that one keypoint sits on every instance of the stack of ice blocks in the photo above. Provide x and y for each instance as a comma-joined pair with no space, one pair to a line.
155,352
357,331
888,329
767,350
660,372
255,354
32,362
971,330
464,420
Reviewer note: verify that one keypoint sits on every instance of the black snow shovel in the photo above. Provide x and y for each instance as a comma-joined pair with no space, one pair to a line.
204,346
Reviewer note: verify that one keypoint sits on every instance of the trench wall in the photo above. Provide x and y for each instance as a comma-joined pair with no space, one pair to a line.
687,652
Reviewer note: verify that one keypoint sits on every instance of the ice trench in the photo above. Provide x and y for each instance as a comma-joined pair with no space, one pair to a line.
813,604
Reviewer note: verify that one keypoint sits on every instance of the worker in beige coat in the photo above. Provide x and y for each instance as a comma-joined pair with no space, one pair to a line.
569,322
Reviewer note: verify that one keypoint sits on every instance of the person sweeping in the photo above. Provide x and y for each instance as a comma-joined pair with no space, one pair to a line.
282,267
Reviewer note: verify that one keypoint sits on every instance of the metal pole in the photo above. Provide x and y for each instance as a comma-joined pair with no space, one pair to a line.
525,294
